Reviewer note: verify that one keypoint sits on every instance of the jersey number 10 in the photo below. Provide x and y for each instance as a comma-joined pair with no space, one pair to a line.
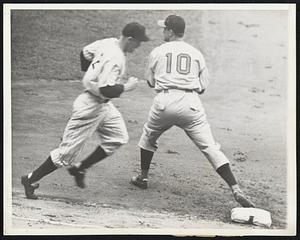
183,63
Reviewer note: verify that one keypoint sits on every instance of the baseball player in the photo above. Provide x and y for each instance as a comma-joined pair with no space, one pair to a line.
178,73
93,112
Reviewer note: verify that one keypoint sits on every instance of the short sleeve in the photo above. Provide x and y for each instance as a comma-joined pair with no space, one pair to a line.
90,50
110,75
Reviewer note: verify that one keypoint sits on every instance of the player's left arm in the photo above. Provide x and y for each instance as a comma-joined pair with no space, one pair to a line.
109,81
203,79
87,55
84,63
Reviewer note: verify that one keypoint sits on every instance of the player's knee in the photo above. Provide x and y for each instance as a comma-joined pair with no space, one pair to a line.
111,146
108,150
215,156
147,143
124,139
60,160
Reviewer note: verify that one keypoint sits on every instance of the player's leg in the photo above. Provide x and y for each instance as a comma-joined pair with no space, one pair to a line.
79,127
159,121
200,133
146,158
112,131
27,180
112,134
78,170
141,180
225,172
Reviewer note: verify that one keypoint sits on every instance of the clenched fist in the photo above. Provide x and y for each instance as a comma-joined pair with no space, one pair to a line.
131,84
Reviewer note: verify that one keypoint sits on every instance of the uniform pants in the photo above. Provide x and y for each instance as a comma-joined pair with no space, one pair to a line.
90,115
185,110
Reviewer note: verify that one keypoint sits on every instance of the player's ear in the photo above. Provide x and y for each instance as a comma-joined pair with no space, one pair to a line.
126,39
171,32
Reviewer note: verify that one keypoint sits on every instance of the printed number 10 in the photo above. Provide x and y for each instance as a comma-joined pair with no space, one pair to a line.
183,63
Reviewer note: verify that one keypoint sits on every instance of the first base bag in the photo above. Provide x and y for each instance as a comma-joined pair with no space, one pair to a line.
255,216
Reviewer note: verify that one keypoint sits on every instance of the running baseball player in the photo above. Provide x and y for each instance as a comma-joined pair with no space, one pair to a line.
179,74
93,112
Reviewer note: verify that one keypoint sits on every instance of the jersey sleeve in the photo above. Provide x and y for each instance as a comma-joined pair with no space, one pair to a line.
149,75
110,74
90,50
101,72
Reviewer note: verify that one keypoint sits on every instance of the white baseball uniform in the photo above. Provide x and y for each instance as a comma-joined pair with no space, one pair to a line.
92,112
178,73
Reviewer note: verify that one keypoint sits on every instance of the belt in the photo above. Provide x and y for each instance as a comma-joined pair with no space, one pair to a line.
167,90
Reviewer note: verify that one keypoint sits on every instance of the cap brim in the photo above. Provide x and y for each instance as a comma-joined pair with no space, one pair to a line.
161,23
145,39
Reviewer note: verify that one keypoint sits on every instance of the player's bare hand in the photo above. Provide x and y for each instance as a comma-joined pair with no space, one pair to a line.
131,84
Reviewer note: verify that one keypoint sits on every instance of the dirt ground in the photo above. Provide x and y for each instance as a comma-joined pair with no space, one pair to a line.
246,52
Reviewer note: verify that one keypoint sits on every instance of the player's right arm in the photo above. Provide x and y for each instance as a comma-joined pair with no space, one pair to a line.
149,75
102,78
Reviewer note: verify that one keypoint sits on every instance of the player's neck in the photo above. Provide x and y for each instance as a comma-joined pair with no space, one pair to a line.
122,44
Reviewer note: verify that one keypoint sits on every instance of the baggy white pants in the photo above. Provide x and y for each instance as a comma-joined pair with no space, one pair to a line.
185,110
90,115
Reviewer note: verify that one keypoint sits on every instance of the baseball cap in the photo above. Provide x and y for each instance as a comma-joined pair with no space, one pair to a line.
174,22
136,31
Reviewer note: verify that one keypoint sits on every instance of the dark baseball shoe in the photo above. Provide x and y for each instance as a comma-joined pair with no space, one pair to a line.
242,200
29,188
139,182
78,175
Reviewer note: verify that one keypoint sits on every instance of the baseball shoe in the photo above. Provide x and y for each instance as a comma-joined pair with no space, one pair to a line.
29,188
242,200
141,183
78,175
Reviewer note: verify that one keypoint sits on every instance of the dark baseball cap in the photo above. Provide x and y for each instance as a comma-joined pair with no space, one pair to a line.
136,31
174,22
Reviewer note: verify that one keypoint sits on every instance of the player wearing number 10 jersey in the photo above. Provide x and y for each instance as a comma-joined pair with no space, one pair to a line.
177,65
178,73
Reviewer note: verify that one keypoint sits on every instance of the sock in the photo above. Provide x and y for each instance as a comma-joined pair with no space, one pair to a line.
146,158
98,155
225,172
44,169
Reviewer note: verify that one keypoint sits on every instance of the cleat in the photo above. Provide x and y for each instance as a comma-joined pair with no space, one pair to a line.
29,188
141,183
79,176
242,200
